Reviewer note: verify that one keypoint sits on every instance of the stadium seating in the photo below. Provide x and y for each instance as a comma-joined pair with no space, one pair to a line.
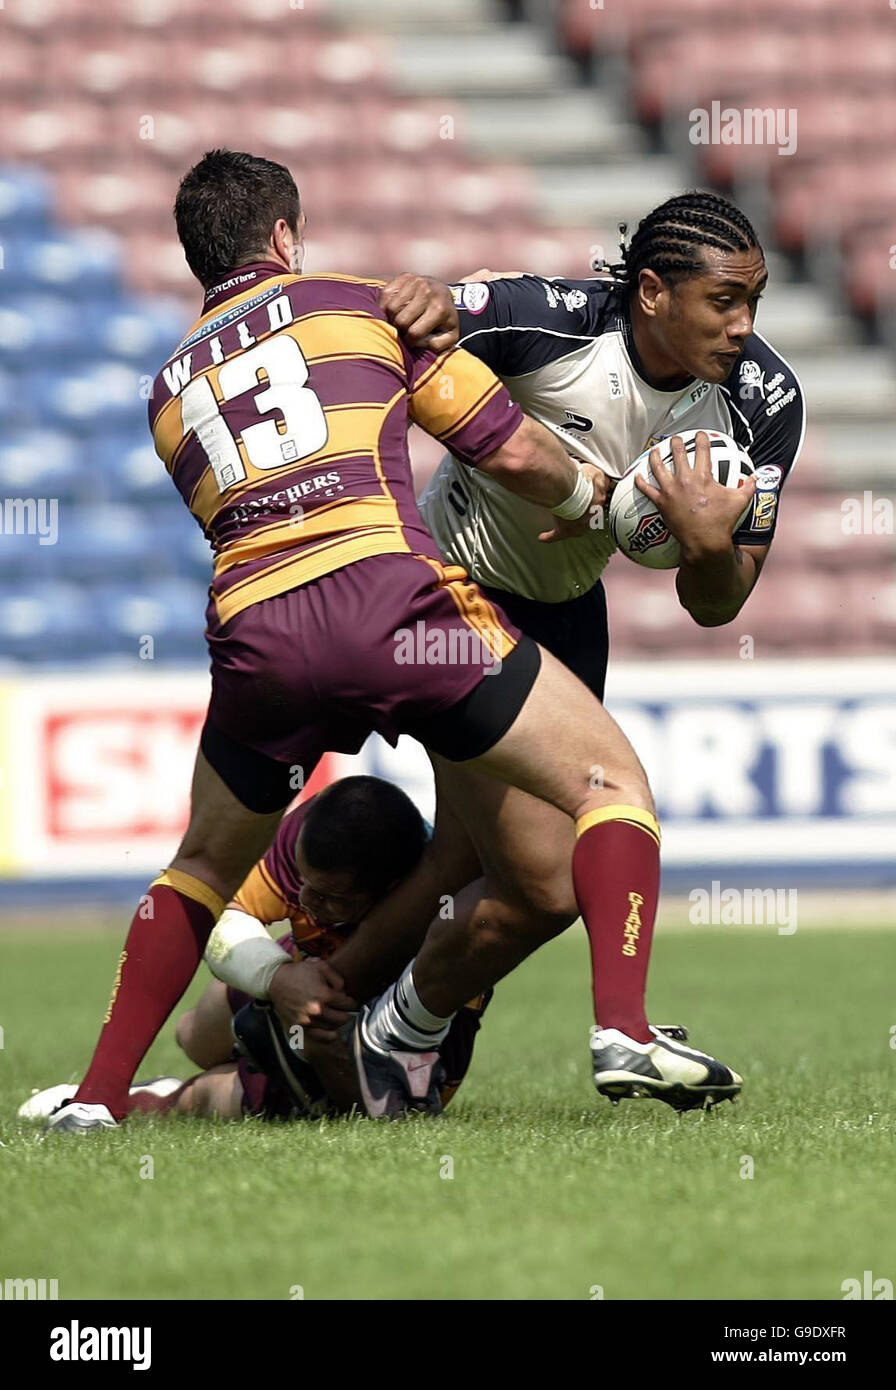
832,65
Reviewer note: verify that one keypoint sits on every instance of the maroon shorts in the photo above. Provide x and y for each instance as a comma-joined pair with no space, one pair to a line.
393,644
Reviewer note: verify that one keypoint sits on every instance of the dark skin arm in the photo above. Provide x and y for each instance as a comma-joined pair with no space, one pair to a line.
716,577
715,587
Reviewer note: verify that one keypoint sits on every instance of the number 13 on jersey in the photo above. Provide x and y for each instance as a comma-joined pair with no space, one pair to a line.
276,373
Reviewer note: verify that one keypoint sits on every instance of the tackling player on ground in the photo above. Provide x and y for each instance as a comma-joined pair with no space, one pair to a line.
333,857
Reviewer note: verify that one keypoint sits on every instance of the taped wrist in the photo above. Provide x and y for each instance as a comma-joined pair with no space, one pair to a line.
578,501
243,954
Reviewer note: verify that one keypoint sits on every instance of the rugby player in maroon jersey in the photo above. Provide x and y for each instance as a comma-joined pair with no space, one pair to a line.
282,418
333,857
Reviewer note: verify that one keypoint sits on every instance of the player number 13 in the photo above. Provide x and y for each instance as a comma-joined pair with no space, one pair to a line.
280,360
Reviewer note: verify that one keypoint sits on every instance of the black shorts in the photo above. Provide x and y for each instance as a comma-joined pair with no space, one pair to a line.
575,632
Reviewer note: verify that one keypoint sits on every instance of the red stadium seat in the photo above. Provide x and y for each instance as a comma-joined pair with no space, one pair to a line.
20,66
871,269
821,530
55,136
877,597
83,67
115,198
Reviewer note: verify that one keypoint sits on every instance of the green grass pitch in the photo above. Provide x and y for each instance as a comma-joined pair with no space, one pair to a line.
555,1194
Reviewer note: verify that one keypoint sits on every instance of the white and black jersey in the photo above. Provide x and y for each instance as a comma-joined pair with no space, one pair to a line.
565,351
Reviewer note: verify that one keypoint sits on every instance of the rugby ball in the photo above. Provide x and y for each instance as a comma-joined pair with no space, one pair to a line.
635,524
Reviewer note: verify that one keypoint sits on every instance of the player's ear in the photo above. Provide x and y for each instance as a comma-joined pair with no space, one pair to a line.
289,245
650,287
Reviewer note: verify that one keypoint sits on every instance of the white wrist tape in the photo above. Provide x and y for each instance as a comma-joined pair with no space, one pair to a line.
243,954
578,501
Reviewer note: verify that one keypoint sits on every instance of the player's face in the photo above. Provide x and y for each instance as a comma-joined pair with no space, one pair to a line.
330,898
705,319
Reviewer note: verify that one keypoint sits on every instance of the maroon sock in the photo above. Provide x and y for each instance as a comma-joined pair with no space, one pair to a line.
616,872
164,946
144,1103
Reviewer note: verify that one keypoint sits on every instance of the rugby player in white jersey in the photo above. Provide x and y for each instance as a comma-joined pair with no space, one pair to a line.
664,343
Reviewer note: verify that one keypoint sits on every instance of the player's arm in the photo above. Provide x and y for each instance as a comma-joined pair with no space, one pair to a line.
716,578
714,585
715,575
242,952
458,399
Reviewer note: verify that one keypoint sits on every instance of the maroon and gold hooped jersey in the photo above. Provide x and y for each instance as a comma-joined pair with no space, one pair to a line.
272,888
282,418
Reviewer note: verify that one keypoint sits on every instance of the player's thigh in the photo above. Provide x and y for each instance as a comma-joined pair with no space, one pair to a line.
524,845
205,1033
452,850
217,1092
563,747
224,838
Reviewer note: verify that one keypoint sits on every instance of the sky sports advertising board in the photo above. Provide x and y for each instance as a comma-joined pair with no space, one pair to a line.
788,765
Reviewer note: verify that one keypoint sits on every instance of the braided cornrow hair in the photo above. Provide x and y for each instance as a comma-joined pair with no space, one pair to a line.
668,240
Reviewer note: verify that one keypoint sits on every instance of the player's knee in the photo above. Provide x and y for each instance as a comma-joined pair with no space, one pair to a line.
624,786
217,873
536,912
550,899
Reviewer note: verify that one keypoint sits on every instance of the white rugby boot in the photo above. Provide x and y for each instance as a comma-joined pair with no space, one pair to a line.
664,1070
77,1117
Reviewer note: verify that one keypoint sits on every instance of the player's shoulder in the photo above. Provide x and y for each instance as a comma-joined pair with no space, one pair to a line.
365,287
346,294
292,822
600,295
556,304
523,324
767,405
345,311
763,382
